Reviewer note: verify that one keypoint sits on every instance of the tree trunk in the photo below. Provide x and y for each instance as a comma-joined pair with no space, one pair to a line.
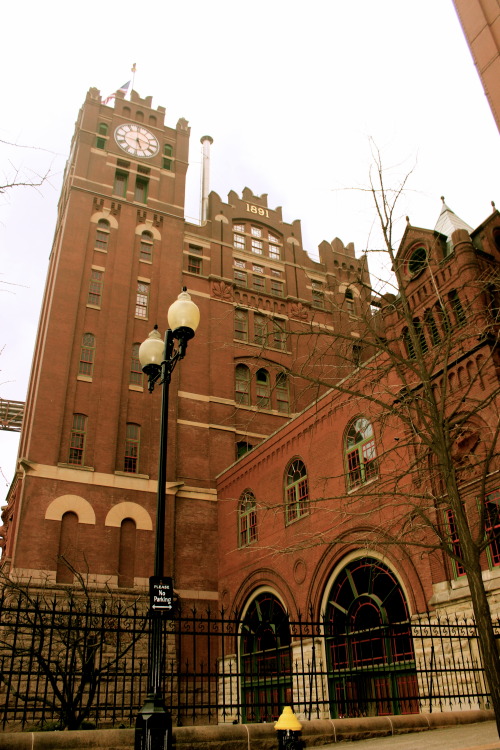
486,638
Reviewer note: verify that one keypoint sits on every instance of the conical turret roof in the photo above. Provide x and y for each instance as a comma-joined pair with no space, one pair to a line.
448,221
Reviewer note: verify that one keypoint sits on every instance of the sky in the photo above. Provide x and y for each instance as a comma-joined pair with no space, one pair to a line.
294,95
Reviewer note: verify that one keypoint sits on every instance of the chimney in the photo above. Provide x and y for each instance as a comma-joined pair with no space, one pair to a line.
206,142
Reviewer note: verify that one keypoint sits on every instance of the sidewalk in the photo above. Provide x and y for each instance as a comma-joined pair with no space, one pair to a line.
482,736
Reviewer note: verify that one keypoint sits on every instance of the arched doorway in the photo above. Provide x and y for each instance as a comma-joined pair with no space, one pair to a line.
371,662
266,662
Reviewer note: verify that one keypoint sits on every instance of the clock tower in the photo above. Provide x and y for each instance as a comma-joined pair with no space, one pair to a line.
84,494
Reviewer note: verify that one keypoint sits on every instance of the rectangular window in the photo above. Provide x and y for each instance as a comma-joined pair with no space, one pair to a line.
240,277
259,283
239,241
141,190
95,287
87,351
238,228
77,440
455,542
194,265
277,288
136,375
120,186
282,393
101,239
257,247
145,249
142,300
239,263
256,231
318,299
100,142
241,325
492,525
279,335
132,442
195,249
168,151
274,252
260,329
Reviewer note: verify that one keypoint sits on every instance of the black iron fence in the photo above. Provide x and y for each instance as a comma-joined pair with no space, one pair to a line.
64,663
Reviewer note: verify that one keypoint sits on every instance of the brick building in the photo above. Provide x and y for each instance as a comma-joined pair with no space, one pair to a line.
85,487
330,517
480,20
292,420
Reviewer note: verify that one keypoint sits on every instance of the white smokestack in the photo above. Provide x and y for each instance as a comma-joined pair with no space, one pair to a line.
206,142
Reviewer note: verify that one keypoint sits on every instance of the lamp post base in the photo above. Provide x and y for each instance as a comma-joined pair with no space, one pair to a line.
153,726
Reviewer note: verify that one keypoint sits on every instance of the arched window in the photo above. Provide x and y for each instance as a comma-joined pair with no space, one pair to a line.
296,491
360,453
77,440
102,235
349,301
146,246
132,444
432,327
443,318
103,131
266,658
371,662
263,389
410,349
456,306
282,393
136,374
126,553
87,353
167,156
242,384
68,542
247,519
419,330
417,261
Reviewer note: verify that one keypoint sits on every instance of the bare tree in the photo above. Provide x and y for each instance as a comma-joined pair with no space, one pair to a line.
425,373
71,639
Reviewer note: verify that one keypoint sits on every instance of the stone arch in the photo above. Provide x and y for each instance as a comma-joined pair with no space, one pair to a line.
106,215
126,509
70,503
148,227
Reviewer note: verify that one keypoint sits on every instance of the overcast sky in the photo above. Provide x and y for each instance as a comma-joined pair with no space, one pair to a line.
291,92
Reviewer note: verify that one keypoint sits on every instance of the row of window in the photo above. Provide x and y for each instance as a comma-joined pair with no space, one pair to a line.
258,278
263,394
256,240
78,438
260,329
146,240
96,286
428,331
87,360
361,467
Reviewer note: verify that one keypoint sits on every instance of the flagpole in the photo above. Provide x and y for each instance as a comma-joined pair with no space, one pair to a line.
133,69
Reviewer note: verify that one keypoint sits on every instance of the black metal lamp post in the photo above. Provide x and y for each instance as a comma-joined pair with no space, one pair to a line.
153,728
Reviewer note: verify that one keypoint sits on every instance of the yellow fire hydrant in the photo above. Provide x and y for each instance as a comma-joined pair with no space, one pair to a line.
288,728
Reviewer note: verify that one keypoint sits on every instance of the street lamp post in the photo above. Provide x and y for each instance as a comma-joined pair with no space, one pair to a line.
153,728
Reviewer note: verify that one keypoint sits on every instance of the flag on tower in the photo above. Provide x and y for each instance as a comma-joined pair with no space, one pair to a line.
123,89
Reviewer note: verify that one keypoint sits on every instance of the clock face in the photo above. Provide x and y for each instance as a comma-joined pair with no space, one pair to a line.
136,140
